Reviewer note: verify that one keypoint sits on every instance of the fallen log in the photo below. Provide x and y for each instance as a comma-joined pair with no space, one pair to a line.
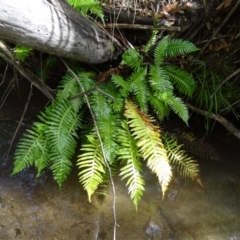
53,26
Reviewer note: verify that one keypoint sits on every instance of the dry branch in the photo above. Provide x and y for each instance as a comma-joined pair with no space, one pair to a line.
228,125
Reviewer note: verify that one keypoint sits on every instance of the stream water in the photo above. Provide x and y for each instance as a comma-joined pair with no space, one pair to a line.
33,208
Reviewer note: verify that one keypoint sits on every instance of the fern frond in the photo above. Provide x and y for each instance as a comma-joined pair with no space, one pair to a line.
176,104
183,80
132,58
149,143
22,52
100,105
151,41
69,87
160,50
88,6
159,80
117,103
122,84
32,149
185,165
108,128
159,107
138,86
129,156
63,122
91,165
178,47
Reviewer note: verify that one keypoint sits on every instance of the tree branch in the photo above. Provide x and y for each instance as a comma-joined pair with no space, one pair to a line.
228,125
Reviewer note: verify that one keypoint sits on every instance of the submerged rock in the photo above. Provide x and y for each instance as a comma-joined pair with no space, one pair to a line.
154,231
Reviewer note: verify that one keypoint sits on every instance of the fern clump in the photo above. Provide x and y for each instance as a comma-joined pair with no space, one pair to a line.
125,128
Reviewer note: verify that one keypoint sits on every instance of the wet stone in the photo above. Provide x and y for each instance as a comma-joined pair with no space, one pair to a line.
154,231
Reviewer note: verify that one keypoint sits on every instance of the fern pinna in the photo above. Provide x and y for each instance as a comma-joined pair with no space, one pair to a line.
125,129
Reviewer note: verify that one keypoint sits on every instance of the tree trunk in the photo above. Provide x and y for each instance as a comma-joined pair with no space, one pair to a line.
54,27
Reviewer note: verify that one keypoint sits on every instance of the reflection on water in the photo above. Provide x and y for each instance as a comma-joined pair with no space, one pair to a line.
36,209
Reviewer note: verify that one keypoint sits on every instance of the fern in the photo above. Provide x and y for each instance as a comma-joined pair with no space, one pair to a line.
149,144
129,157
86,6
183,80
176,104
138,87
32,149
22,52
133,59
91,165
159,80
151,41
128,133
159,51
178,47
62,123
108,128
185,165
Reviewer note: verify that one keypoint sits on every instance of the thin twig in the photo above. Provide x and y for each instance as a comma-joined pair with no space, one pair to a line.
225,80
89,91
101,144
20,122
141,27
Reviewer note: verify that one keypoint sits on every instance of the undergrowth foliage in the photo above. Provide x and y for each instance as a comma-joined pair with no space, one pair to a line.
128,112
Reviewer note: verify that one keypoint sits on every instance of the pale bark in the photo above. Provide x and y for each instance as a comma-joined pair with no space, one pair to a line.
54,27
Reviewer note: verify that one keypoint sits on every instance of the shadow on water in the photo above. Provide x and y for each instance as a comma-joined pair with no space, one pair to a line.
33,208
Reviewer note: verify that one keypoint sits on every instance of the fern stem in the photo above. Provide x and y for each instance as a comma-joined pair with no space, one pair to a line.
101,145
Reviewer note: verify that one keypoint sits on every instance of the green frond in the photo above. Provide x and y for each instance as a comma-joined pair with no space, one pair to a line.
138,86
21,52
63,122
31,149
151,41
50,61
132,58
121,84
108,128
183,80
178,47
100,105
149,144
185,165
176,104
159,51
69,87
129,156
117,103
91,165
159,107
159,80
87,6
